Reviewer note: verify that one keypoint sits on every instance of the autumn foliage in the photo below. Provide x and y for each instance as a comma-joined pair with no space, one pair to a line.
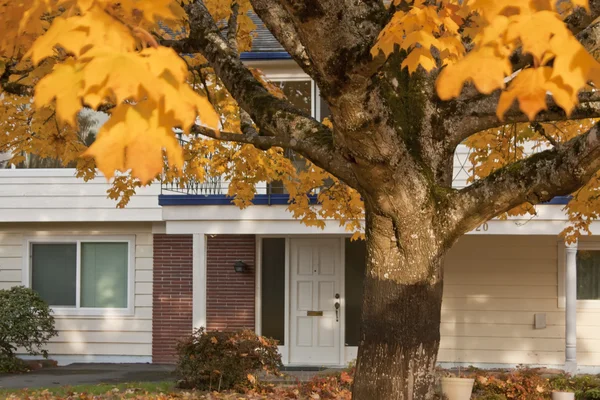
211,360
61,55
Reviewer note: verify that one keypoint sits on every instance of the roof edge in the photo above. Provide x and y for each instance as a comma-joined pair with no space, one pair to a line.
265,55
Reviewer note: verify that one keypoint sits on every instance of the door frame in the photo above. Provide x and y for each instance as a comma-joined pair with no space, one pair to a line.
285,349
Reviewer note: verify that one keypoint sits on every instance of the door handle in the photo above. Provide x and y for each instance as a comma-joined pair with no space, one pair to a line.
337,307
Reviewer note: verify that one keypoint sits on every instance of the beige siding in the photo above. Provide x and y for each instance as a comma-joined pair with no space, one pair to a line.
44,195
493,287
125,336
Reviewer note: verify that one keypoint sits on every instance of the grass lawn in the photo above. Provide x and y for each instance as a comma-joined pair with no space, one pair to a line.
109,391
136,390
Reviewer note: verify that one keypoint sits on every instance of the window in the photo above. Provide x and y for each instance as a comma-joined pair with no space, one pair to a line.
299,93
355,256
273,289
588,275
79,276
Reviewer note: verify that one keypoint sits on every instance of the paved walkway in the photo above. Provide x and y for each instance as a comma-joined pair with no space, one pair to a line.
84,374
91,374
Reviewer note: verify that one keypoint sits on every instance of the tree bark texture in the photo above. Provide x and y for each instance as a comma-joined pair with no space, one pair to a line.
400,328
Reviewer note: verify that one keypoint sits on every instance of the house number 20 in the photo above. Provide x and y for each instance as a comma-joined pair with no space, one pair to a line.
483,227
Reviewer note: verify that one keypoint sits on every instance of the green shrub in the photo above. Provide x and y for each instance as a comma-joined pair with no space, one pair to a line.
585,387
591,394
25,322
12,364
225,360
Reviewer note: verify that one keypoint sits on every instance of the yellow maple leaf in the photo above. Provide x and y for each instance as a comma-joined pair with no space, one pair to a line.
77,34
155,9
485,67
119,74
490,9
419,56
161,59
133,139
64,84
563,95
422,37
573,63
492,33
535,30
529,88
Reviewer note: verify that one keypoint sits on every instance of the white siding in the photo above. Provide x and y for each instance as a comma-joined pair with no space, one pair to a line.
30,195
493,287
123,336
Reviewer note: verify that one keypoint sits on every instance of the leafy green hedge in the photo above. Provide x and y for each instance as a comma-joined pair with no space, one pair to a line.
26,322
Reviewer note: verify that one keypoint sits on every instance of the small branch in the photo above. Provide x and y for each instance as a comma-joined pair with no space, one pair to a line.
262,142
312,147
540,129
536,179
476,115
13,86
232,26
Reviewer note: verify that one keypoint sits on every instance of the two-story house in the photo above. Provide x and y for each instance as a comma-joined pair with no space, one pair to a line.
125,284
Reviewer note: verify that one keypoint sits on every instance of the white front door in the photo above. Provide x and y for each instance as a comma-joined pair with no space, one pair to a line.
315,289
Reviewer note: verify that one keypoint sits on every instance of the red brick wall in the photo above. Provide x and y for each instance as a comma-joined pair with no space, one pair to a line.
230,294
172,294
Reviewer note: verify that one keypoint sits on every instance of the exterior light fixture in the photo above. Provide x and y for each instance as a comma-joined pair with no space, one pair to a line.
240,266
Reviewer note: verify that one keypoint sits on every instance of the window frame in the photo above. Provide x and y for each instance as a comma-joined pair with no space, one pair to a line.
78,240
587,304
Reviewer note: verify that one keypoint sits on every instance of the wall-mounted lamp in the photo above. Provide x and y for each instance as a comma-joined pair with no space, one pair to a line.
240,266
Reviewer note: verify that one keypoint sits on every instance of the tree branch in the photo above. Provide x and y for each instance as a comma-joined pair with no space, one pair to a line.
479,114
324,156
279,22
232,26
336,36
275,117
540,129
536,179
13,86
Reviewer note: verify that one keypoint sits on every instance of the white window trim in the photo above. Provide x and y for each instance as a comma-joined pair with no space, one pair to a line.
86,311
562,260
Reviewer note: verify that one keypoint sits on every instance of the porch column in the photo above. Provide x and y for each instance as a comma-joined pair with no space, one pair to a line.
571,308
199,281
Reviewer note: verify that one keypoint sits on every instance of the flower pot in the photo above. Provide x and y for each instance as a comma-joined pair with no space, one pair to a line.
457,388
563,396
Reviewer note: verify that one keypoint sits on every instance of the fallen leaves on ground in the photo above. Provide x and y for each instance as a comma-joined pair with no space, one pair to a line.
327,387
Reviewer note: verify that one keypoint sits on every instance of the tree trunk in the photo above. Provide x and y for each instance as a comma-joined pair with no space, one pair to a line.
400,330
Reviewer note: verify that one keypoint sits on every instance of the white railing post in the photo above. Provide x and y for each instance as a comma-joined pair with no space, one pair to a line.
571,308
199,280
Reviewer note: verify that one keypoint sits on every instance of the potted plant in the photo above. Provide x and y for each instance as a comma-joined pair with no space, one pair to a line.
457,386
561,388
563,395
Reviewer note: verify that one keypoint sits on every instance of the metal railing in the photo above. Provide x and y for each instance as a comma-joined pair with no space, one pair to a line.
211,186
217,185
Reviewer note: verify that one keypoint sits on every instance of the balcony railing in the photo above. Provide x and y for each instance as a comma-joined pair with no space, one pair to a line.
211,186
218,186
